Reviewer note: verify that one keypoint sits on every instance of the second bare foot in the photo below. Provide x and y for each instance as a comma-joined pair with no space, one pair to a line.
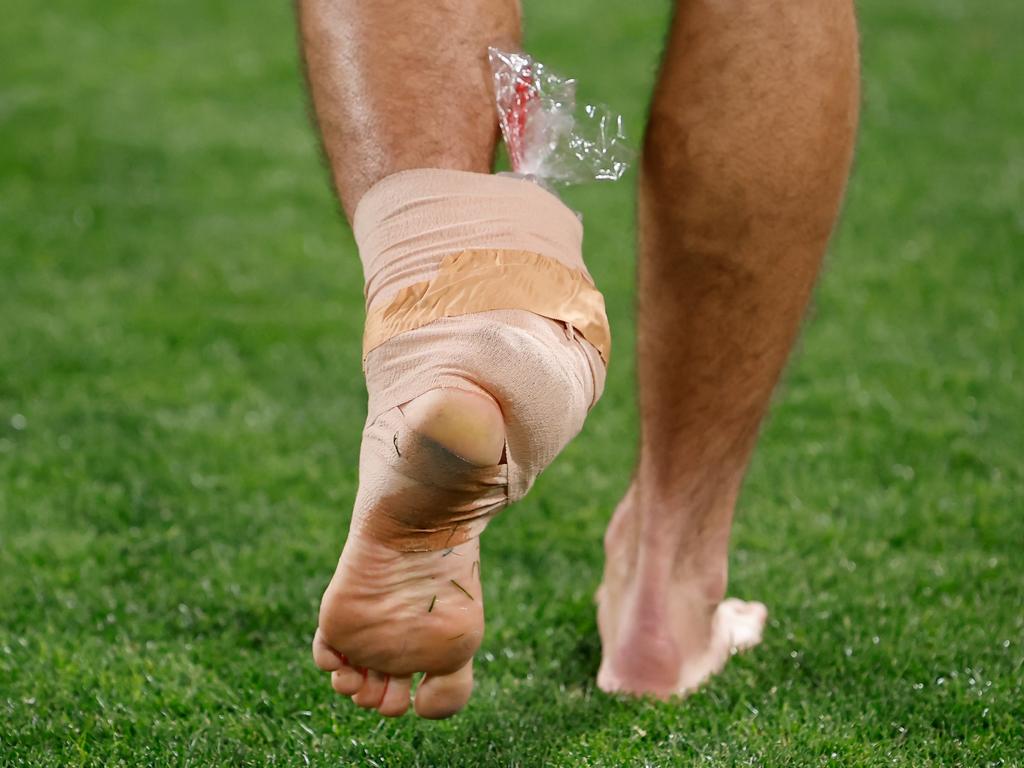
665,627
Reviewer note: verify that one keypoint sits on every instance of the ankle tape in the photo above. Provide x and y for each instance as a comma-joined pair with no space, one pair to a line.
477,282
438,243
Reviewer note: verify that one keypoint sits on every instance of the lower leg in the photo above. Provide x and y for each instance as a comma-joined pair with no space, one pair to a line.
398,86
745,160
470,395
403,84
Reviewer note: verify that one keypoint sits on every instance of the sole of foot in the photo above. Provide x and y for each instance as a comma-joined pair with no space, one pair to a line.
390,614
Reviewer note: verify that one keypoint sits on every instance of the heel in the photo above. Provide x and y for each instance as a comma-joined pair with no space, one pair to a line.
468,424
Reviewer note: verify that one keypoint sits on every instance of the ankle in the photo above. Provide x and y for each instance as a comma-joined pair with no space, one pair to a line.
661,540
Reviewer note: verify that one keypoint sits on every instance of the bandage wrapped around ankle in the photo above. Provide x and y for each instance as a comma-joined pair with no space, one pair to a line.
474,282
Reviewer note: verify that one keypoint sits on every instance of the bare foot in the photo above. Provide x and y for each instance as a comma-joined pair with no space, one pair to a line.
406,596
665,628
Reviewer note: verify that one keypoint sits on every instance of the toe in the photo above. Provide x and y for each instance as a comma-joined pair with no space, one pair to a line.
743,621
371,694
758,610
606,679
752,609
396,697
440,696
324,656
347,680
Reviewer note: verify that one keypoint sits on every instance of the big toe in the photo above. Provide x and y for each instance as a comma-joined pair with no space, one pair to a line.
440,696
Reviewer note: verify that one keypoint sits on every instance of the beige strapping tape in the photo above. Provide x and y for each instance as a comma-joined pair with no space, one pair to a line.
480,280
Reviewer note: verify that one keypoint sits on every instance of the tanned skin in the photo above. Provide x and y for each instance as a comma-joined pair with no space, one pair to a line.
745,160
401,84
744,165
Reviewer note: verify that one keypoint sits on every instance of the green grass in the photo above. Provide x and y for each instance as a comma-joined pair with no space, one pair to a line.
180,404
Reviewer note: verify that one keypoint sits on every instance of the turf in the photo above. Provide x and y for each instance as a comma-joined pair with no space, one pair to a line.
180,403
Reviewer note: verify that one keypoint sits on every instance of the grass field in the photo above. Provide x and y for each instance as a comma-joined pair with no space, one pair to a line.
180,405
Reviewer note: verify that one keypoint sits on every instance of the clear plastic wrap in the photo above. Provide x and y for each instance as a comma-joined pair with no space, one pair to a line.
546,136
